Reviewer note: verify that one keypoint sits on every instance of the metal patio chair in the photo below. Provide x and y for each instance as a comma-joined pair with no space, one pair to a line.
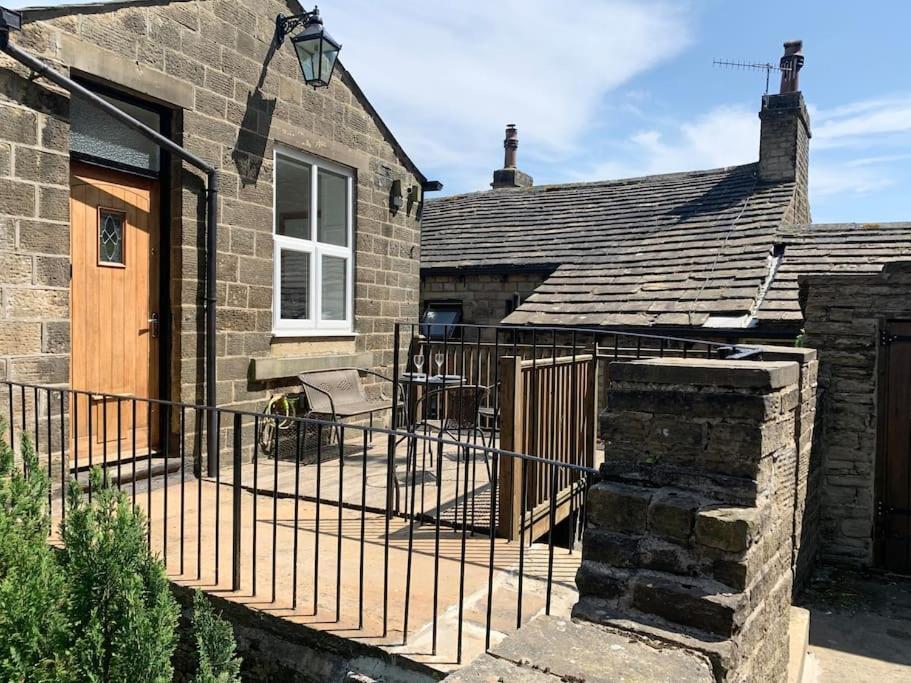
338,393
459,410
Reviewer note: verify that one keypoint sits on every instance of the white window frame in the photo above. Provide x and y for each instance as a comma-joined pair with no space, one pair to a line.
315,326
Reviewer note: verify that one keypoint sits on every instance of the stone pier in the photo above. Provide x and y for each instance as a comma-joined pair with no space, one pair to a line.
692,531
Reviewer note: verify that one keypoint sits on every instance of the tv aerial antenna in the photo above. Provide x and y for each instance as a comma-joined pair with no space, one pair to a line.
752,66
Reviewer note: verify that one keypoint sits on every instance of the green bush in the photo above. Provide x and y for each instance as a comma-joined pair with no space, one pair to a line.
122,613
99,610
34,629
215,645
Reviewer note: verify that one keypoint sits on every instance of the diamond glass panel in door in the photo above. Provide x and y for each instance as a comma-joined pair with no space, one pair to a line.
332,212
295,285
334,294
292,199
110,237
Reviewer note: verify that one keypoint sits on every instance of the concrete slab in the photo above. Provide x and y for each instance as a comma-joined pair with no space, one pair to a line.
860,628
566,650
798,642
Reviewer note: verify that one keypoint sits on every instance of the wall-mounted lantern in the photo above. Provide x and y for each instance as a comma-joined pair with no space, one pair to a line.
10,20
395,196
316,51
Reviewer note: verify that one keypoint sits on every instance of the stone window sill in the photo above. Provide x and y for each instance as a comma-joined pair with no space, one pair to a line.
281,368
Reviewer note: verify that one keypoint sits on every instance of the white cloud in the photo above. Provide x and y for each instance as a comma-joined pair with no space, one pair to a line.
724,136
861,124
854,176
447,79
729,135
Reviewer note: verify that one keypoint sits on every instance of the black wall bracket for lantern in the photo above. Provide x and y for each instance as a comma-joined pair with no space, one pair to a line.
316,50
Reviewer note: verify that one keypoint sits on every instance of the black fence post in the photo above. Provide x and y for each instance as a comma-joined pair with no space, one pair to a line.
390,448
235,521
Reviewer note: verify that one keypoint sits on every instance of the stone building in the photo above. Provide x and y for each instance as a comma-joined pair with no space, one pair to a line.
861,325
703,254
102,234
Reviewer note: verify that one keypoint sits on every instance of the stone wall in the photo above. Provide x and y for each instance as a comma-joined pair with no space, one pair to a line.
691,530
784,149
843,314
808,469
34,230
483,297
277,649
233,98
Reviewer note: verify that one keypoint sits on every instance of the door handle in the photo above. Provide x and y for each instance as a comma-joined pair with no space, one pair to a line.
154,324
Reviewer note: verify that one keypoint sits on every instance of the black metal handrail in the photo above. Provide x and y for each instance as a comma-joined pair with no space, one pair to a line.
252,506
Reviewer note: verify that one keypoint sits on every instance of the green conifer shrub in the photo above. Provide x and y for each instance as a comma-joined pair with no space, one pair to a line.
121,611
215,645
34,629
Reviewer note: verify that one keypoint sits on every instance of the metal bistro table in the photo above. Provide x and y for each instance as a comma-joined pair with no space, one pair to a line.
417,384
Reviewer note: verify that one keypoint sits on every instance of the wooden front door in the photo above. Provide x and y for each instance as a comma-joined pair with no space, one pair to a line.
894,452
114,246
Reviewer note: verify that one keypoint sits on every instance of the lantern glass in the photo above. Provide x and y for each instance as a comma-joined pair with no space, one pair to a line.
317,53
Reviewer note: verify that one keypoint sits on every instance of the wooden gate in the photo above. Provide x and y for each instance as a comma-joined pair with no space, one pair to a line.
548,408
893,471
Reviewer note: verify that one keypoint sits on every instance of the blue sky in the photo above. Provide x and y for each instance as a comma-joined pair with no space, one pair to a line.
608,89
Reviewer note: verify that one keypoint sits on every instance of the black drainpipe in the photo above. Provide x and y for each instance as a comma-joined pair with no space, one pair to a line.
211,211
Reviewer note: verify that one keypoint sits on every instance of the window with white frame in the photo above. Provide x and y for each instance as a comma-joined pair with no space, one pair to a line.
312,253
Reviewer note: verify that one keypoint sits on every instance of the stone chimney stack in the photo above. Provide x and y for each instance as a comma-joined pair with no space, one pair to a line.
509,175
784,138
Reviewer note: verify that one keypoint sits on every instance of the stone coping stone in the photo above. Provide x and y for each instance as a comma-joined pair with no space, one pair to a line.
738,374
800,354
291,366
550,649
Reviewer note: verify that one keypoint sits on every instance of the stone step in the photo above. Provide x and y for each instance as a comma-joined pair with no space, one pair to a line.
698,603
139,469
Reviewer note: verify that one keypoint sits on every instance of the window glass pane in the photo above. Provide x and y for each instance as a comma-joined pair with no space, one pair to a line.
332,226
94,133
110,236
334,295
294,303
438,322
292,198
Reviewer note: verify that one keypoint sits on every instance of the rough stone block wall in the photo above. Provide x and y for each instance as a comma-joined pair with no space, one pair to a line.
808,470
843,314
784,149
234,98
34,258
34,230
690,533
483,297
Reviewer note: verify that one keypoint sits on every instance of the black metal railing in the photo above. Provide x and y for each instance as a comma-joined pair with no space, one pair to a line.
384,534
470,355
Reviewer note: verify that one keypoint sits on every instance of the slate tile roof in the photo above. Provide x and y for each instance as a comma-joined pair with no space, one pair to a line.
836,248
659,250
665,250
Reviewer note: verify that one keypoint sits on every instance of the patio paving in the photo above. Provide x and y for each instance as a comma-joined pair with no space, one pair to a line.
344,554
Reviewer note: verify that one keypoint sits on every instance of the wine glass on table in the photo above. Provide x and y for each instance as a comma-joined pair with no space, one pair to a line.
438,358
418,363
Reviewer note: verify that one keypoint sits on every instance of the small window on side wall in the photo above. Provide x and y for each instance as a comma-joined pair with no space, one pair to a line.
440,319
312,257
